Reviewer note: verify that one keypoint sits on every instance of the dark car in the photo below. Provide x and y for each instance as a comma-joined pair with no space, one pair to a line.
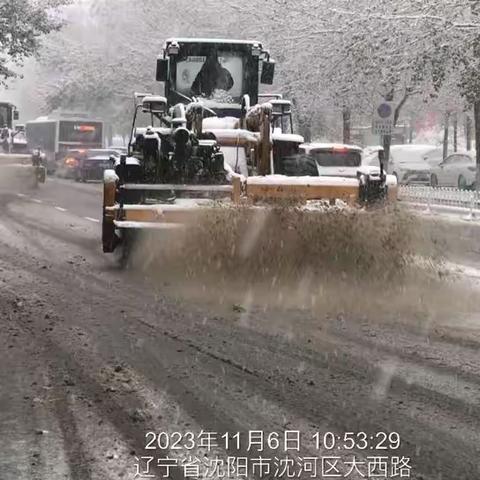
85,165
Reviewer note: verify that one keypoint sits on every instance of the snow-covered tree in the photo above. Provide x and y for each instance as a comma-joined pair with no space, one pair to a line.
334,59
22,23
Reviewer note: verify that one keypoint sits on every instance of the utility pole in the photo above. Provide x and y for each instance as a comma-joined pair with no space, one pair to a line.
387,139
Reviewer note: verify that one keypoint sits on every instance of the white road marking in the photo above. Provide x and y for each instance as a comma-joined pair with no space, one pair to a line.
60,209
90,219
21,195
36,200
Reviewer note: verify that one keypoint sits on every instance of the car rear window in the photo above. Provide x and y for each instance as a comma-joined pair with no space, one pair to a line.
338,159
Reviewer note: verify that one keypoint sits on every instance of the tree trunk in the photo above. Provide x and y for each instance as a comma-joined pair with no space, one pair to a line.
455,132
476,109
445,135
305,130
346,113
468,131
410,132
110,134
475,5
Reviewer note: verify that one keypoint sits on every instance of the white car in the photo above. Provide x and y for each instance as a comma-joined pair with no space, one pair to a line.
340,160
458,170
409,163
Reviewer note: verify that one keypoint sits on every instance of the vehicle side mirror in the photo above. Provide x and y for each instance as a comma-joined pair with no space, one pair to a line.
162,70
16,115
268,72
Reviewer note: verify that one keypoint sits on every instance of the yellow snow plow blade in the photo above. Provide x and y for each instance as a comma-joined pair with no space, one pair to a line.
299,188
120,213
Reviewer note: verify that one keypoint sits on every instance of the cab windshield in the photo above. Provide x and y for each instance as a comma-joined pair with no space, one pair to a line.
218,75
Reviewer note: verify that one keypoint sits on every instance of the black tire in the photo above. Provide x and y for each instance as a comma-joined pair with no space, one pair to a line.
433,181
462,183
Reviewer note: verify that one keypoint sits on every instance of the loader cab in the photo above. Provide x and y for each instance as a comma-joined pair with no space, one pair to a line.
286,154
219,73
282,116
282,120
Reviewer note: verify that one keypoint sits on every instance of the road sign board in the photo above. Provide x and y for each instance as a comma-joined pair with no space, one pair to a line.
383,119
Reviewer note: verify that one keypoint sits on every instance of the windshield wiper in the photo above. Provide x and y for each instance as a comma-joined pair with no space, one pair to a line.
188,99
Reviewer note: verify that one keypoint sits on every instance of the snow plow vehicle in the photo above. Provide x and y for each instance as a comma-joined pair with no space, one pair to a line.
16,164
209,140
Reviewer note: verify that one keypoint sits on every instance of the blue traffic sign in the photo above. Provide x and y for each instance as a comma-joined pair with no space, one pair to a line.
384,110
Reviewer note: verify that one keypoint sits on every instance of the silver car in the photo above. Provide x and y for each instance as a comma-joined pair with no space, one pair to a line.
457,170
408,164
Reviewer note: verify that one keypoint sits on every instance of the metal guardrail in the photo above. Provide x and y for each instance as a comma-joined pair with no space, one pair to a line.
443,196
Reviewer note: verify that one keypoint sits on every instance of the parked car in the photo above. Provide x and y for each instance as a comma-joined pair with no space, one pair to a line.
84,165
120,150
408,163
330,159
458,170
435,157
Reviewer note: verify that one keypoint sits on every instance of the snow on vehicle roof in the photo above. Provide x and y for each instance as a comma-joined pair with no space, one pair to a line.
413,148
287,137
59,118
226,133
373,148
219,123
411,153
105,156
212,40
329,146
471,154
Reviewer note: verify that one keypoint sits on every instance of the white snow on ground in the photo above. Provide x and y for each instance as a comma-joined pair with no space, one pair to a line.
464,270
